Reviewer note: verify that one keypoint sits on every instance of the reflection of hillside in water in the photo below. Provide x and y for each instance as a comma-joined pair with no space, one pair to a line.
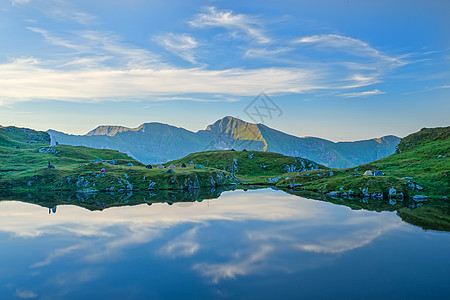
186,198
100,201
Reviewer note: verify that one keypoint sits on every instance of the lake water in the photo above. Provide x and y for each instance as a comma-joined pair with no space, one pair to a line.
258,244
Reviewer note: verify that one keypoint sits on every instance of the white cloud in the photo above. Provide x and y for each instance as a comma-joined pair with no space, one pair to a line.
19,2
53,39
264,52
67,12
237,23
182,45
363,94
345,43
28,79
99,66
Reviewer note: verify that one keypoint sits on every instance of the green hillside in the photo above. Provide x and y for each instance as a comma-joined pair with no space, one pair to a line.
250,164
25,155
420,167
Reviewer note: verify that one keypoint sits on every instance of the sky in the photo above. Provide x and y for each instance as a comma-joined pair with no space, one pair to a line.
340,70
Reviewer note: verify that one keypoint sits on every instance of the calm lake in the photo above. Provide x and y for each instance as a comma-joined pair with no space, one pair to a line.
258,244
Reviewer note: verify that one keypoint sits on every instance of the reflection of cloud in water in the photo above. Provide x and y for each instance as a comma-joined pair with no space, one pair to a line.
183,245
24,294
292,223
249,264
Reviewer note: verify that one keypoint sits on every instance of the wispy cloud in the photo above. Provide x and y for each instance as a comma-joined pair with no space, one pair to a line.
67,12
428,89
236,23
19,2
30,79
198,99
53,39
363,94
95,66
347,44
182,45
265,52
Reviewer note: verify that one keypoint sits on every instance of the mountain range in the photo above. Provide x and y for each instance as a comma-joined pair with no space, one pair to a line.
157,142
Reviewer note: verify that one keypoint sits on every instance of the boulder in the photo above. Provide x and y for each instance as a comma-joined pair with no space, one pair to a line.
377,196
333,194
392,192
292,186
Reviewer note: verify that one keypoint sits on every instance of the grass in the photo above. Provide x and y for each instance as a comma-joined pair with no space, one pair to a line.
420,166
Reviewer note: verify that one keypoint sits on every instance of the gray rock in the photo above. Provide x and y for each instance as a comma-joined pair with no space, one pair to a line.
294,185
333,194
392,191
274,180
377,196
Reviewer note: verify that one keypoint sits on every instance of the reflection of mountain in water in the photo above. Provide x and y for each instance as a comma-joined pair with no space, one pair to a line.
186,198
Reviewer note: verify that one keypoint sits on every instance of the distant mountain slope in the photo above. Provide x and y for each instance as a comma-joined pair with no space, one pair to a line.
156,142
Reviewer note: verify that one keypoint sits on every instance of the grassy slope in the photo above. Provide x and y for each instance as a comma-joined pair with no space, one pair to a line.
419,160
249,164
25,168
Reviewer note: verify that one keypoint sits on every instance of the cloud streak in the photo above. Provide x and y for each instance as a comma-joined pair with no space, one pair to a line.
95,66
236,23
363,94
182,45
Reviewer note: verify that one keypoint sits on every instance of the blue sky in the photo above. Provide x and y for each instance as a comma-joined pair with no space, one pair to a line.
341,70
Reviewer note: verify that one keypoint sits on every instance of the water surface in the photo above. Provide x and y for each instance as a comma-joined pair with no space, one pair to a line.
259,244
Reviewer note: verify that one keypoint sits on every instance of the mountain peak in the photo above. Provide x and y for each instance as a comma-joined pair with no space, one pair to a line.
231,127
109,130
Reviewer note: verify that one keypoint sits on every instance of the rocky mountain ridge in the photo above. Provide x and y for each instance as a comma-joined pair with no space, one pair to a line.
157,142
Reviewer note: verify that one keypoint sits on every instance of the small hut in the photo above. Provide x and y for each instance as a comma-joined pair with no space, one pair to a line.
368,173
170,171
160,166
183,165
172,166
148,167
199,166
